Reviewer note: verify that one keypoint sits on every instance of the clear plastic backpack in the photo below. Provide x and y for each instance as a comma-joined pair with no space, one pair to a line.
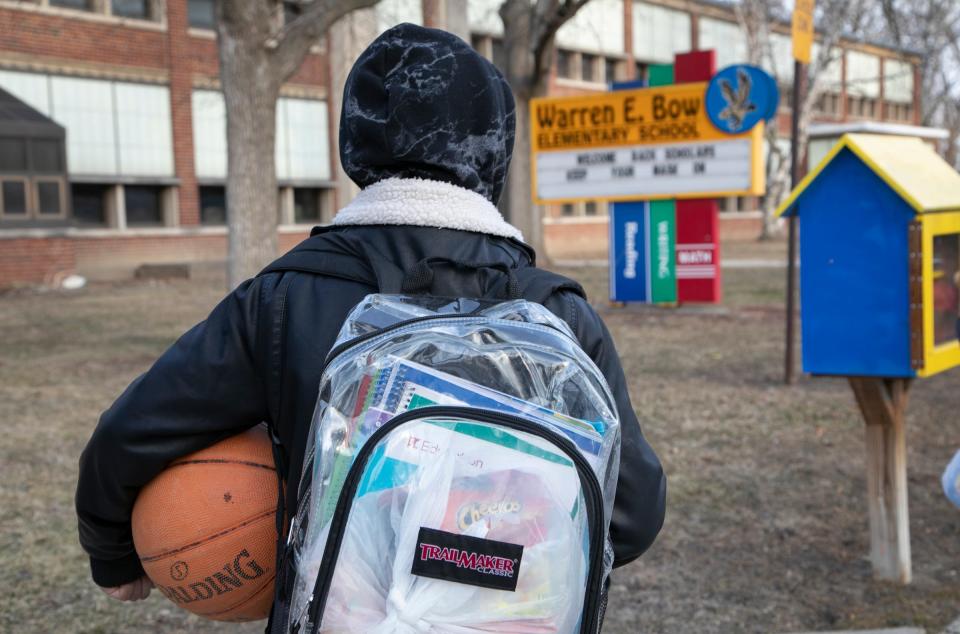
460,475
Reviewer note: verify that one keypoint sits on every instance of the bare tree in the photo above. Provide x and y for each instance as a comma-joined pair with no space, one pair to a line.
529,32
756,17
931,28
258,53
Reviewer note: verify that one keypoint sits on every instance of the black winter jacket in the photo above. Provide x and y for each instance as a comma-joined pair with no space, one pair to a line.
257,357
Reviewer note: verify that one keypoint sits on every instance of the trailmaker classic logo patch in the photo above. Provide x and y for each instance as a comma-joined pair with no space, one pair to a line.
464,559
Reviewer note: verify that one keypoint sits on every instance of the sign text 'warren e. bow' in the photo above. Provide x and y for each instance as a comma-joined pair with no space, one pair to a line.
648,143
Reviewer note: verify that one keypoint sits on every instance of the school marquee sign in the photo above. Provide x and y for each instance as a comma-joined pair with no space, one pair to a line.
649,143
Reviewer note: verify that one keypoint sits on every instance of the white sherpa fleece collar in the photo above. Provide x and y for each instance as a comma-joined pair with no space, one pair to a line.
425,203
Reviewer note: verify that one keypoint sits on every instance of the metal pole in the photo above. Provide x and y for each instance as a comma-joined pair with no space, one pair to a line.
789,375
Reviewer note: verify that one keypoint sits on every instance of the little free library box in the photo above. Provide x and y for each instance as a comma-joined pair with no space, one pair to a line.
880,299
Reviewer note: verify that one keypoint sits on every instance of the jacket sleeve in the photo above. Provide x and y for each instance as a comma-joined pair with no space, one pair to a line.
203,389
640,503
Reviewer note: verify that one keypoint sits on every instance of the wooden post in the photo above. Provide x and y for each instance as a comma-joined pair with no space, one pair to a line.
883,403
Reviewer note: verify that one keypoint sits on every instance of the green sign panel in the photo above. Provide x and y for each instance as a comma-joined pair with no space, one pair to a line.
663,251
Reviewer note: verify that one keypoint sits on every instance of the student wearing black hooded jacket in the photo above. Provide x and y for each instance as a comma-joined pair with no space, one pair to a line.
427,131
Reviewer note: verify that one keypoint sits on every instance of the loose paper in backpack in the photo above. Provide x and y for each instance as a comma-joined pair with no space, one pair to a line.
410,380
478,449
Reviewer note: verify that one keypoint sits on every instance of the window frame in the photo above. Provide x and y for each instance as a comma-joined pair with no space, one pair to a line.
589,63
936,357
102,10
35,190
200,206
148,5
26,194
159,191
107,207
571,64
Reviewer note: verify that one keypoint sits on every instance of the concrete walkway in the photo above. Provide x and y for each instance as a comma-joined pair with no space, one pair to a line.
953,628
726,263
894,630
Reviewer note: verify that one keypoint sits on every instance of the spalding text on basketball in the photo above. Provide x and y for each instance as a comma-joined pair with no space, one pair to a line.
220,582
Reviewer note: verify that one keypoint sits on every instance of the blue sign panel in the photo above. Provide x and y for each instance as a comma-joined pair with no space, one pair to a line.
628,258
739,97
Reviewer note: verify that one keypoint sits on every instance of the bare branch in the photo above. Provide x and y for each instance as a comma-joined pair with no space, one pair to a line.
547,27
296,38
890,13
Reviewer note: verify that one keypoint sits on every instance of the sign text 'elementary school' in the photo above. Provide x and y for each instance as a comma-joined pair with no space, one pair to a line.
650,143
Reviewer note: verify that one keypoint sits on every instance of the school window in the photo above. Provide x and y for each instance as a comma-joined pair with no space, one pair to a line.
590,208
306,205
89,204
13,198
611,68
32,166
213,205
49,197
833,104
588,67
144,205
567,209
565,64
131,9
200,14
80,5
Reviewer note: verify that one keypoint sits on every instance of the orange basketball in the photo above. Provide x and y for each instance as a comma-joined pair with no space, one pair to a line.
205,529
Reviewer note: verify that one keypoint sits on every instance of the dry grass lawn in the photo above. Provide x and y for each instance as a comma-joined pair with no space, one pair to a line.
766,522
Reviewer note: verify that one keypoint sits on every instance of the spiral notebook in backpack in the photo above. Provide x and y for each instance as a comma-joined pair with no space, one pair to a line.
459,477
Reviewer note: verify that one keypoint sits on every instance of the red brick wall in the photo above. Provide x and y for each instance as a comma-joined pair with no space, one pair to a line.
35,261
202,58
33,33
112,258
576,241
111,47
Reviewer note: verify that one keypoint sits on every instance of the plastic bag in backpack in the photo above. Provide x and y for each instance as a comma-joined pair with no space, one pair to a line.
460,475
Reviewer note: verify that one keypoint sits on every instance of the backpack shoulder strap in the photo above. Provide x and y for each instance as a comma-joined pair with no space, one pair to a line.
539,285
336,255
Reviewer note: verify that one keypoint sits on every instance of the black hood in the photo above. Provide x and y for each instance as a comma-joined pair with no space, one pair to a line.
421,103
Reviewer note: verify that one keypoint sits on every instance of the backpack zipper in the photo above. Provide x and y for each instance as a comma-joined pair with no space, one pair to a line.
343,347
591,487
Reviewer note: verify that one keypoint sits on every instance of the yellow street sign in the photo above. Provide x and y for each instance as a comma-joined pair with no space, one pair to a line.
650,143
802,29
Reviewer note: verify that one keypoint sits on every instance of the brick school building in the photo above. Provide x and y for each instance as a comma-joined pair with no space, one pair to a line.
112,124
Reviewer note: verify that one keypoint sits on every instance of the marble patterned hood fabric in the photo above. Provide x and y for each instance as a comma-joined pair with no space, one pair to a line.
421,103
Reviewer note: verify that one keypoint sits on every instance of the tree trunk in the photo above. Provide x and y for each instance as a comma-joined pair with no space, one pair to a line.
346,40
517,17
524,215
250,94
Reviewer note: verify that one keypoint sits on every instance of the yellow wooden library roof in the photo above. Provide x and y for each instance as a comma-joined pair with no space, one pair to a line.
908,165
